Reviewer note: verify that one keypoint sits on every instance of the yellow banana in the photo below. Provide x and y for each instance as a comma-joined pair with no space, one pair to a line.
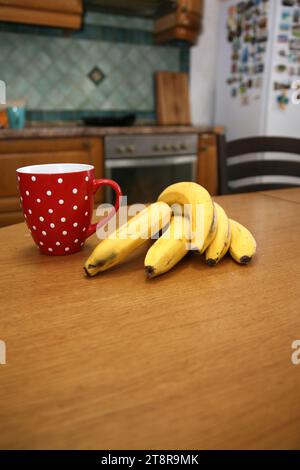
212,233
169,249
242,245
128,237
220,245
195,198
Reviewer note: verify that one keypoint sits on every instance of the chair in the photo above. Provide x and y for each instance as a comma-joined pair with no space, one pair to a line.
244,165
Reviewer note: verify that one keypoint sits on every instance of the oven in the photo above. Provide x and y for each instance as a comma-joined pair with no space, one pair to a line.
144,165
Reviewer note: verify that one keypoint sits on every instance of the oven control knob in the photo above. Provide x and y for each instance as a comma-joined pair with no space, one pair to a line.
130,148
183,147
167,147
156,148
121,149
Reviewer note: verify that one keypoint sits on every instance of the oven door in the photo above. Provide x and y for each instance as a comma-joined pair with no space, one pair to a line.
143,179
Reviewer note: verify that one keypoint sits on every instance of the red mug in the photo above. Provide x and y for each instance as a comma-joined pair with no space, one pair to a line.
57,202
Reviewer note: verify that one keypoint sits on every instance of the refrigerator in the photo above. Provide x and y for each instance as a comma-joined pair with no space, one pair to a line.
258,72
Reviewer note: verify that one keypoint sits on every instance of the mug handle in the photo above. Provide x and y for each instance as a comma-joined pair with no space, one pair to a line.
96,185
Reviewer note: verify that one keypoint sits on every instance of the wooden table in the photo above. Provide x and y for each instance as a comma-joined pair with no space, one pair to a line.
198,358
290,194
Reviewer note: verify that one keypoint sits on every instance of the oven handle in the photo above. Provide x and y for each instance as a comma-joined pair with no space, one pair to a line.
147,162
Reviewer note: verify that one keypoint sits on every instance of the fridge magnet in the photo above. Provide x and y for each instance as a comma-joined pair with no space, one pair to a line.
282,100
259,68
282,38
243,88
248,16
232,80
258,59
282,53
280,68
258,82
292,71
293,57
236,45
296,31
244,100
248,38
263,22
284,26
234,68
295,44
240,8
285,15
282,85
234,93
261,36
296,16
261,49
245,55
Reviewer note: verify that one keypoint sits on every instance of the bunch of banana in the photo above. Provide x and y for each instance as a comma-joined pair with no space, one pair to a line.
197,224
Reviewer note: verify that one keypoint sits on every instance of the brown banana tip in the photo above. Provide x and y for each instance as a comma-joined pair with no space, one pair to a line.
149,270
245,259
211,262
87,272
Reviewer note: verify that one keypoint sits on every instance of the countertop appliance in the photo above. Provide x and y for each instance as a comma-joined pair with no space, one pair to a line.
113,121
145,165
258,68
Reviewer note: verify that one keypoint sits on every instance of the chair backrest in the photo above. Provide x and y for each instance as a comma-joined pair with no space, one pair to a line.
258,163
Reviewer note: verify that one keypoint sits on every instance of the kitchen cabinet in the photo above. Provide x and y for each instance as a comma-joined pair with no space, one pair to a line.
43,12
207,168
15,153
182,24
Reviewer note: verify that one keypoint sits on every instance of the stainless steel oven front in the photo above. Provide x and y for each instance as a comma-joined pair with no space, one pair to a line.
144,165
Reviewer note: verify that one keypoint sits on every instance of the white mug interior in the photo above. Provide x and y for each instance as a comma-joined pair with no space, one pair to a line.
55,168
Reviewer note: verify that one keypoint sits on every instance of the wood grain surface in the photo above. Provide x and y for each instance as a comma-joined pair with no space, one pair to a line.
289,194
172,98
199,358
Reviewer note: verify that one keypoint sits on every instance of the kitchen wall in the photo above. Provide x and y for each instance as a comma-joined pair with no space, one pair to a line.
204,66
106,68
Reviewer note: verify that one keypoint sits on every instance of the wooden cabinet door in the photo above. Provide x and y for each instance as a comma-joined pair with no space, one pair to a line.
17,153
57,13
183,24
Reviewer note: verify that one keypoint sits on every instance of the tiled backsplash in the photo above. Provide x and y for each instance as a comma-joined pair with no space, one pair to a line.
55,73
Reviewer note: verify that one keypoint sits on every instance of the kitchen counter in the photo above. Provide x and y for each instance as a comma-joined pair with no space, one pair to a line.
86,131
199,358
